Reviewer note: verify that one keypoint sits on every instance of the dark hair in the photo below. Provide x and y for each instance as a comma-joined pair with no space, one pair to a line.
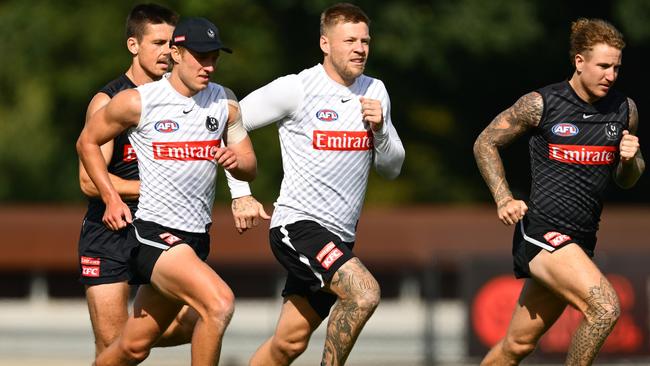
342,13
586,33
144,14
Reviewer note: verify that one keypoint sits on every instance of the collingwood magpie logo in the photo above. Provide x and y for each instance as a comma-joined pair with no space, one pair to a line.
612,130
212,124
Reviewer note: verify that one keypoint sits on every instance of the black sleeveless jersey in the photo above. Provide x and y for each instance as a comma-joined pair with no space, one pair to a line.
123,162
573,153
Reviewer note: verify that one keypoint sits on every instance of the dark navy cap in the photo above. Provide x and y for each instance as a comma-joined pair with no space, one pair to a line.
197,34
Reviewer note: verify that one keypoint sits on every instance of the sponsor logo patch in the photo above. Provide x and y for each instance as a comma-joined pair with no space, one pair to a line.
129,154
323,252
584,155
565,129
327,115
89,261
331,258
179,38
169,238
342,140
89,271
186,150
166,126
555,239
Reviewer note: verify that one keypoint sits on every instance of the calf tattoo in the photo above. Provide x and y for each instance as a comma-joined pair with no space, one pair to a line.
600,318
351,312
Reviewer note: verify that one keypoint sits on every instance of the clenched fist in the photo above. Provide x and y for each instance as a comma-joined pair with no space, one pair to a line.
628,147
372,113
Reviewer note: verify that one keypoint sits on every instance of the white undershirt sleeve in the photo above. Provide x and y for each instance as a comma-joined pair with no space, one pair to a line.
389,151
238,188
268,104
272,102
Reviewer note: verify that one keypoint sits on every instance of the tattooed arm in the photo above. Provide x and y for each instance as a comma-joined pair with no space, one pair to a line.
631,164
503,130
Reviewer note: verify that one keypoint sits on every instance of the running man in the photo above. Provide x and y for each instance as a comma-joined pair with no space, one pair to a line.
334,123
582,132
103,254
181,128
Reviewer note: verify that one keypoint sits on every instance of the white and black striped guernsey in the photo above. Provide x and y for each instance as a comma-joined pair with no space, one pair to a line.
573,153
175,142
123,161
327,149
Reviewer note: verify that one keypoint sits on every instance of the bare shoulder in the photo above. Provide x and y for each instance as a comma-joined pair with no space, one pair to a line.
98,102
633,116
125,106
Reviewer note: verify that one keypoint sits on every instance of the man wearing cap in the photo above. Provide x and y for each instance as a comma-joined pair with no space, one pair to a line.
181,128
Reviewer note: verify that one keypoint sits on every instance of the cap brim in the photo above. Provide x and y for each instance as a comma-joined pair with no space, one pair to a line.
208,47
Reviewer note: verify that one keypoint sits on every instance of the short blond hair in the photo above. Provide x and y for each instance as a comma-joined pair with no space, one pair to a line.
586,33
342,13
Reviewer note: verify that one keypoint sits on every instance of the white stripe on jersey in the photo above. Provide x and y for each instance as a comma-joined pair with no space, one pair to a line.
326,147
175,154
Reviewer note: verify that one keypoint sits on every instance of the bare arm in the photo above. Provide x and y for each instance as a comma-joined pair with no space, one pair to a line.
502,131
631,164
122,112
128,189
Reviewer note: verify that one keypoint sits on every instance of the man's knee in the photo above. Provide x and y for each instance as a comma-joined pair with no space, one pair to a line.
135,350
367,295
290,348
220,307
603,308
517,349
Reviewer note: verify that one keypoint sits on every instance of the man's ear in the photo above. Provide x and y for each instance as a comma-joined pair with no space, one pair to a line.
325,44
133,45
579,61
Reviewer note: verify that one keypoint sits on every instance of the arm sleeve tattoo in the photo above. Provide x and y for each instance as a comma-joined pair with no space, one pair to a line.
503,130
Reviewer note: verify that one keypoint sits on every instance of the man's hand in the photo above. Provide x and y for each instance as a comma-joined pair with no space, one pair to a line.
226,158
246,212
510,211
117,215
628,147
372,113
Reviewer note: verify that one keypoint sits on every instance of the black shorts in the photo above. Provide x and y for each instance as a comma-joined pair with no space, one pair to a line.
532,236
150,240
311,254
103,254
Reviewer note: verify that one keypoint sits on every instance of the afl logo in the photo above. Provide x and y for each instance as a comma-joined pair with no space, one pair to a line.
166,126
327,115
565,129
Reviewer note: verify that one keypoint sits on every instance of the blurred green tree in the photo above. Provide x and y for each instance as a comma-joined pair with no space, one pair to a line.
450,66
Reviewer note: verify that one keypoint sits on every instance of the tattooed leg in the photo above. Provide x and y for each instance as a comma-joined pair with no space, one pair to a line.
358,293
600,317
